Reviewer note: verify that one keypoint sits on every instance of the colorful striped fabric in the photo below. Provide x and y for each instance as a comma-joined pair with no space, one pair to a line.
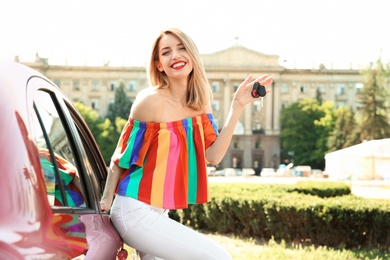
165,162
73,195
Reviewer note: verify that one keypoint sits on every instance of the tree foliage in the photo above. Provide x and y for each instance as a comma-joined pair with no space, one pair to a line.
374,102
305,129
324,125
319,96
105,133
345,132
109,137
121,105
311,128
91,117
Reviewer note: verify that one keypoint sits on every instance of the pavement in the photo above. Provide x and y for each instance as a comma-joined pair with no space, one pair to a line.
376,189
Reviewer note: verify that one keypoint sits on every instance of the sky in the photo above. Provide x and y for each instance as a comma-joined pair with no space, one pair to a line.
303,33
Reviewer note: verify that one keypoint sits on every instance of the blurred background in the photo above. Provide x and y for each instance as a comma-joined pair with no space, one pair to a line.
329,61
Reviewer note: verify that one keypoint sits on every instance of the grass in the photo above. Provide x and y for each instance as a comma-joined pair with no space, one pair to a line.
249,248
253,249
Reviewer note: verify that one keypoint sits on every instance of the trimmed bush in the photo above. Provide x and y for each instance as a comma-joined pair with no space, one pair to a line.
325,214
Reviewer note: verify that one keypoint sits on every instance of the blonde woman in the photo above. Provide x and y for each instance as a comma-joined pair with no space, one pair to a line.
161,156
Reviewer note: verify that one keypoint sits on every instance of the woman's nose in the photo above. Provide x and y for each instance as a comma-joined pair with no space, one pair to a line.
176,55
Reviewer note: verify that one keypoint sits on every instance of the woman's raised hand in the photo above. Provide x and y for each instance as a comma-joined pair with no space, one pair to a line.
243,94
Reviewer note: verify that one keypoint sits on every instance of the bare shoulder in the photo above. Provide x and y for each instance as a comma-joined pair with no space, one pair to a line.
208,109
147,102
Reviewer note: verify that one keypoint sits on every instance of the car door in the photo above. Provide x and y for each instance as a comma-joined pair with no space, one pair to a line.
73,168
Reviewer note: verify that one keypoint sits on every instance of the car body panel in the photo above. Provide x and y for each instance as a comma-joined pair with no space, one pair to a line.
31,225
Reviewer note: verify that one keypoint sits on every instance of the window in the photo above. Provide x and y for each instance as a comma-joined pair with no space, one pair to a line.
235,86
322,88
256,126
113,85
285,104
257,105
239,129
215,86
132,86
95,85
57,82
76,84
359,87
235,162
216,121
215,105
340,89
57,157
284,87
95,104
303,89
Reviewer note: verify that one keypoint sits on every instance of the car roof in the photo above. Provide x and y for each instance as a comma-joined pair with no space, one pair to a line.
13,81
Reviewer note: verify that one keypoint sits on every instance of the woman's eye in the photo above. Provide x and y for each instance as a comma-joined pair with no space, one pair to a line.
165,53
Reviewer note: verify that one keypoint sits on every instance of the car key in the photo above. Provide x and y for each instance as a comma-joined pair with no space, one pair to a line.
258,90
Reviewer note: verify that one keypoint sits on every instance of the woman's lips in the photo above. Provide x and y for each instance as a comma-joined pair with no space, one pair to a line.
178,65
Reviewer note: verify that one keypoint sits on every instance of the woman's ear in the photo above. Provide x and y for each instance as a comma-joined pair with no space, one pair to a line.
159,66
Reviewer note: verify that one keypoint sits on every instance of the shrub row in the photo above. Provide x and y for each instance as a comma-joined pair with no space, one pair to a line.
319,213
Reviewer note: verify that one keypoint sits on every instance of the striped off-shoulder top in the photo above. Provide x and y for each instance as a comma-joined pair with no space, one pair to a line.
165,162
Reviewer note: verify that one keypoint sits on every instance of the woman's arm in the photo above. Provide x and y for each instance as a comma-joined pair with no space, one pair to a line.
114,173
241,98
143,110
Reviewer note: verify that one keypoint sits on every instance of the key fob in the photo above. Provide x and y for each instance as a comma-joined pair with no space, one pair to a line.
258,90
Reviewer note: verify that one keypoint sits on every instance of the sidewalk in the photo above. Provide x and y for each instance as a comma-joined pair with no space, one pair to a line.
375,189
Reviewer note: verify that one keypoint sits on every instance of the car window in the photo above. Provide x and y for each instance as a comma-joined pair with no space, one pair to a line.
62,177
93,161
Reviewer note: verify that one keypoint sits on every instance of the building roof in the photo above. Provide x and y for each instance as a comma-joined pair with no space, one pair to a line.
241,57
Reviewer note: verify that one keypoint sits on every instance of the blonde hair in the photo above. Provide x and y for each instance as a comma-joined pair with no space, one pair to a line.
199,93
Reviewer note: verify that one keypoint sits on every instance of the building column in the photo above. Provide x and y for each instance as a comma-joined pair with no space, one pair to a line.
277,108
247,153
226,97
248,119
268,114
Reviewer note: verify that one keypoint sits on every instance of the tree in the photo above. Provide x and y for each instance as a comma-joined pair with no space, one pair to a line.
345,130
305,129
319,96
324,126
105,133
109,137
121,106
374,102
91,117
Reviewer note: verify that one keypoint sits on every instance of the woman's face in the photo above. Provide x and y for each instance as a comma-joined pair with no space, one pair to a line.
174,59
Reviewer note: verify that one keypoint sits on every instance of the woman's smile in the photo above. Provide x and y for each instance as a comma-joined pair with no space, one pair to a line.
178,65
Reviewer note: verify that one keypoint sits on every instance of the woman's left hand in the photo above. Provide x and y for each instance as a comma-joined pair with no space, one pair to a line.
243,94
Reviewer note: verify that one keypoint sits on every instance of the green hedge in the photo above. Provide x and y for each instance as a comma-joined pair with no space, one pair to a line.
319,213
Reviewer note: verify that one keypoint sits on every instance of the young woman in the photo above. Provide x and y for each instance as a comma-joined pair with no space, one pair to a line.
161,157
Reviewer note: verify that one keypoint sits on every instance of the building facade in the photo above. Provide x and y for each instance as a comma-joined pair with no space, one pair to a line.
255,143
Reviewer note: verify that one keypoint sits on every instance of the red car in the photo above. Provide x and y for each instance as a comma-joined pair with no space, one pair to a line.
52,174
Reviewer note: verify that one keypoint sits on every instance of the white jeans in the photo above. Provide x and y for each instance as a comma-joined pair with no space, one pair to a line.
155,236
